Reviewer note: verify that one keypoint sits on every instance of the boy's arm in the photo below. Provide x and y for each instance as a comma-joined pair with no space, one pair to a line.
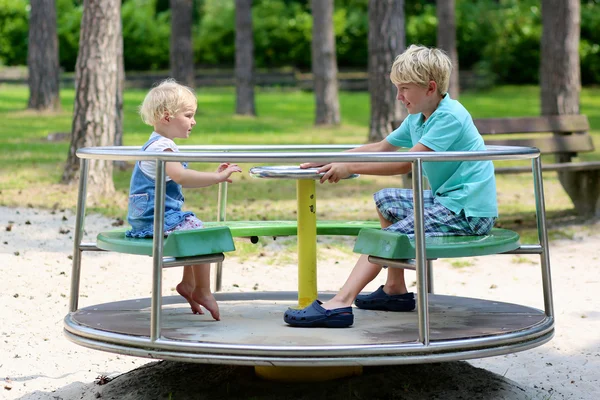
334,172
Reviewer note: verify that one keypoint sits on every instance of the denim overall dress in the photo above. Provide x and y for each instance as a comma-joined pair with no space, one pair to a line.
140,214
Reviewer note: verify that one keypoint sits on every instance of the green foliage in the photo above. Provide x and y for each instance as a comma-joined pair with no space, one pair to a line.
421,28
145,36
498,39
590,42
68,15
13,31
214,40
282,34
514,54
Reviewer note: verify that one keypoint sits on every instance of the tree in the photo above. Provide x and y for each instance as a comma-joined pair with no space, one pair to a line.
42,57
324,64
446,40
181,51
385,41
244,59
95,92
119,92
560,81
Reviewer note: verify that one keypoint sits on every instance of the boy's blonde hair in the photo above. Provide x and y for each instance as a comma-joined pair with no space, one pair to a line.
166,99
419,65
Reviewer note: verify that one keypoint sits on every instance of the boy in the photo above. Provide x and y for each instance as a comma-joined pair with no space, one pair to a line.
462,199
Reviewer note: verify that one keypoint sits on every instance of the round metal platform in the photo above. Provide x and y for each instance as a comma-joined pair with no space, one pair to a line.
252,332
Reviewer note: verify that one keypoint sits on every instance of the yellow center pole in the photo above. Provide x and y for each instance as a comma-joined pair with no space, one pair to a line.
307,242
307,291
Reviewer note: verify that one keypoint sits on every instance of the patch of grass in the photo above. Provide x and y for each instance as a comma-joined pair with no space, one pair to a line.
461,263
522,260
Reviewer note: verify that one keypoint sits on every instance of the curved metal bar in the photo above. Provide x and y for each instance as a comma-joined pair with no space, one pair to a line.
415,358
494,153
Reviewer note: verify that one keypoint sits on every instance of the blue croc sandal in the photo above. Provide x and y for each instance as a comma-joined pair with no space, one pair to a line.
380,300
315,316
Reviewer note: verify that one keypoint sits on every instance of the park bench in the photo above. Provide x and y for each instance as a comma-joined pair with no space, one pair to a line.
564,136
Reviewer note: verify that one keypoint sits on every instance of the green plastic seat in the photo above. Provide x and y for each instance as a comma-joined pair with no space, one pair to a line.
195,242
290,228
398,246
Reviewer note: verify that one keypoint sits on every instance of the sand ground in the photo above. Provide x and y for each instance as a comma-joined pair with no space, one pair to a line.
38,362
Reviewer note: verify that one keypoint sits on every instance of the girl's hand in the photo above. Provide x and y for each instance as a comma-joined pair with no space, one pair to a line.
225,170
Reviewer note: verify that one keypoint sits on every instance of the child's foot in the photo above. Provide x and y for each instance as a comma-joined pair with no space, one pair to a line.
186,292
207,300
333,304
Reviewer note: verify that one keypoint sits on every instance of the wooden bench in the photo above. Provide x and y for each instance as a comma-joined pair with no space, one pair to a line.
564,136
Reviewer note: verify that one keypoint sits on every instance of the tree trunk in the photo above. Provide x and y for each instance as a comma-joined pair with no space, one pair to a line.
446,40
386,41
244,59
324,64
182,53
119,100
95,92
120,88
560,81
42,57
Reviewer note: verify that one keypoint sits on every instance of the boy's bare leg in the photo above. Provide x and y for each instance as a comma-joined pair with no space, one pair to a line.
186,287
394,283
363,273
202,294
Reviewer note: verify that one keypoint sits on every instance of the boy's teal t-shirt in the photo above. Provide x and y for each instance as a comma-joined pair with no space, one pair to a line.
457,185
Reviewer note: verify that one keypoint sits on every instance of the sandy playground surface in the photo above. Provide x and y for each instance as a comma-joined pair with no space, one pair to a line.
38,362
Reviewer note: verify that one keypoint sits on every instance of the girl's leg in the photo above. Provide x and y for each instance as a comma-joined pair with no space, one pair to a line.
186,287
202,294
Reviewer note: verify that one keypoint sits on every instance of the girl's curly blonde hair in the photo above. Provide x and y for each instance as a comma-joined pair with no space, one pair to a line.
166,99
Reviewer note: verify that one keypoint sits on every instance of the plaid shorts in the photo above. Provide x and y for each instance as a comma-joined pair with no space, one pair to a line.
397,206
190,222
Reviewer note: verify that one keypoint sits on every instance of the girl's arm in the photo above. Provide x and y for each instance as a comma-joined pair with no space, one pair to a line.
194,179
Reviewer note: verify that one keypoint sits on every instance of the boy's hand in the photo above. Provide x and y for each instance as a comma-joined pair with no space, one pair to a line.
311,165
334,172
225,170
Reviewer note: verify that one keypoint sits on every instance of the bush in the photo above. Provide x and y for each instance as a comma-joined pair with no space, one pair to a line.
14,31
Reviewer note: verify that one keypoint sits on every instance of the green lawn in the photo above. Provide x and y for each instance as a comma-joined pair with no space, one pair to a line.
30,164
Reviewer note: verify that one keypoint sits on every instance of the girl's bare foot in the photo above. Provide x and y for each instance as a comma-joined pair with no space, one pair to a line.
207,300
186,292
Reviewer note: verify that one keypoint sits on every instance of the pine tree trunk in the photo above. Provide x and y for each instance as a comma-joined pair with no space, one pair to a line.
560,81
244,59
324,64
120,88
446,40
386,41
95,92
182,52
42,57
